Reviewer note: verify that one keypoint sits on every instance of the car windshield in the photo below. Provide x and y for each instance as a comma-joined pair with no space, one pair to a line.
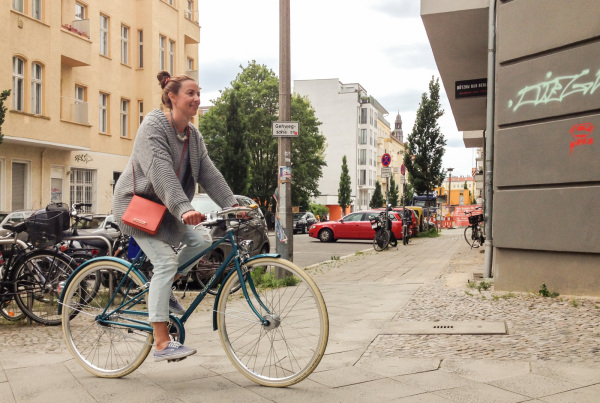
298,216
95,223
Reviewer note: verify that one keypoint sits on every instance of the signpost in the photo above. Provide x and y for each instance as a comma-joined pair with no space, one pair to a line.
386,172
285,129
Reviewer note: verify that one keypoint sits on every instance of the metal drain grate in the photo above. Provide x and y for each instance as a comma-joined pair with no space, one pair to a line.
455,327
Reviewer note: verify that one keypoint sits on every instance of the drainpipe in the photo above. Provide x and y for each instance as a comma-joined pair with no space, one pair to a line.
489,140
43,160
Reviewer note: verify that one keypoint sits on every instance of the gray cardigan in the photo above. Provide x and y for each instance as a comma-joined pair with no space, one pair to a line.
156,160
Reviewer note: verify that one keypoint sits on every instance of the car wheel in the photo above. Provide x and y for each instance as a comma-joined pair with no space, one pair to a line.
326,235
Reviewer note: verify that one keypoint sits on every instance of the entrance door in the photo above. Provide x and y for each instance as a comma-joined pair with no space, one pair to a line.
19,183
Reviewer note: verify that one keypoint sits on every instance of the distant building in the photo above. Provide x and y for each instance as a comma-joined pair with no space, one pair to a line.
349,119
83,75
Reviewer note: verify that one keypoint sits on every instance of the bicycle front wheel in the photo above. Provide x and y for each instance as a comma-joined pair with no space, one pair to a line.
472,238
99,321
37,281
381,240
288,348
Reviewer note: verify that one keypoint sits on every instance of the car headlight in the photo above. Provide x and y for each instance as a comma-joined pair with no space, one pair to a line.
313,226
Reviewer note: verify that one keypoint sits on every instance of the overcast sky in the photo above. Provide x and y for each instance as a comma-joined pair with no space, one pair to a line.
380,44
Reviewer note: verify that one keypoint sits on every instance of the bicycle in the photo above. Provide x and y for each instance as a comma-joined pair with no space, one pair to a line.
474,232
383,231
32,278
275,331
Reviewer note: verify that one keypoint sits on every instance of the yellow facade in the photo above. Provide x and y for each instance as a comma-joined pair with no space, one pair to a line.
82,76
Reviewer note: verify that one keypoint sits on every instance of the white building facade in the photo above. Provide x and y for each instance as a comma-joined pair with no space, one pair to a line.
349,124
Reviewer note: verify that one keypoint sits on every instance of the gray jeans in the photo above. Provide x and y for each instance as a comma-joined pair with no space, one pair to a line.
165,262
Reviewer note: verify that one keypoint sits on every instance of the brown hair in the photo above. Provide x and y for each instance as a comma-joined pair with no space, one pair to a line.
170,83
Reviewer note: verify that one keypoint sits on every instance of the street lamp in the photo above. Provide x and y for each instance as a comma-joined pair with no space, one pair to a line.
449,184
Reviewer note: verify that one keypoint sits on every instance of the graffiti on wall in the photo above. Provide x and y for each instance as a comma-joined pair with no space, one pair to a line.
83,158
580,133
556,89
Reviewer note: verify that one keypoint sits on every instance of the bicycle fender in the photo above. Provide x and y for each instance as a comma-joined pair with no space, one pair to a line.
215,326
274,255
178,323
83,265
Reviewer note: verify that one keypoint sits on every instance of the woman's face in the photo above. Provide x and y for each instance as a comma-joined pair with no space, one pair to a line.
188,99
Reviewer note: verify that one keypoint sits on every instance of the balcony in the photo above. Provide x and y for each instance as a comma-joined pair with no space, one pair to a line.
193,74
192,16
75,46
74,111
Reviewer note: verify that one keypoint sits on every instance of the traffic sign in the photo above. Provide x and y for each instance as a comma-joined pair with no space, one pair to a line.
386,172
285,129
386,159
402,169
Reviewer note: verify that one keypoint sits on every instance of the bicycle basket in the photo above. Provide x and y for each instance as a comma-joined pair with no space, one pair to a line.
475,219
375,223
45,227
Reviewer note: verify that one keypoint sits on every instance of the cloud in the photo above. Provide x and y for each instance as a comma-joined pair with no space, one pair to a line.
398,8
413,56
404,100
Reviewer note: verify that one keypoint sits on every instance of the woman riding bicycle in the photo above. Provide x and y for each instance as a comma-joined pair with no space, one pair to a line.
169,158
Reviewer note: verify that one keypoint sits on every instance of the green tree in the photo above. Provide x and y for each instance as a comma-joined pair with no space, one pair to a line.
344,190
426,143
377,200
409,190
256,88
466,187
394,196
5,94
237,170
319,209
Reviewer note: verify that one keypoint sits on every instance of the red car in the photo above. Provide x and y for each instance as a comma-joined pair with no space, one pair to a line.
353,226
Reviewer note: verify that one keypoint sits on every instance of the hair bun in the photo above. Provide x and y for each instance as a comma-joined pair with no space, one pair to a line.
163,78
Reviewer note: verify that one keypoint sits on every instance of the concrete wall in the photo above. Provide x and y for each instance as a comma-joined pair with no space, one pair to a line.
547,158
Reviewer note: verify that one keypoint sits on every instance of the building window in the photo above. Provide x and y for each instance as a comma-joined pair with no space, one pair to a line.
103,35
362,157
36,9
80,94
83,183
362,138
124,44
190,10
171,57
140,48
18,91
362,177
80,11
171,2
190,64
19,6
36,89
103,112
140,112
161,52
124,117
363,115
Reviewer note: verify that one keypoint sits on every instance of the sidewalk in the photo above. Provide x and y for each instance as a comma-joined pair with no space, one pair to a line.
549,352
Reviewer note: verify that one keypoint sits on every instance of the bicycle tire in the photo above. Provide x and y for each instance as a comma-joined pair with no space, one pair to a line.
288,349
104,349
471,238
381,240
37,281
404,235
10,310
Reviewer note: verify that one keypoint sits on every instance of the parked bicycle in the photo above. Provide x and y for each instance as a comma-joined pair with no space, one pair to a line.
275,331
32,277
384,236
474,232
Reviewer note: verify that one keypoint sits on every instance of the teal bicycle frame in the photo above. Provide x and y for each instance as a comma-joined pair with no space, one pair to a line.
126,306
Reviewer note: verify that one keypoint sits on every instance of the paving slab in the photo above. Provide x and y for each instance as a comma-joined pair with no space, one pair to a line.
585,394
392,367
444,327
345,376
485,370
421,398
6,395
480,393
433,380
583,376
534,385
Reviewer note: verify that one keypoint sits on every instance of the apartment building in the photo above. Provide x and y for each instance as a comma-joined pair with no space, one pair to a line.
545,176
82,76
349,119
389,142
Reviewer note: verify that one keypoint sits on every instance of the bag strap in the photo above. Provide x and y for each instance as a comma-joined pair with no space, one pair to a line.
178,169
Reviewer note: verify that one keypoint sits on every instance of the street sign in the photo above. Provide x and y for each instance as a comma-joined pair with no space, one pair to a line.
285,129
402,169
402,179
386,159
386,172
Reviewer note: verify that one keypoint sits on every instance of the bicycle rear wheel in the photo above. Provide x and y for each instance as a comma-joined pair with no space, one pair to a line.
10,310
37,282
381,240
290,347
472,238
107,350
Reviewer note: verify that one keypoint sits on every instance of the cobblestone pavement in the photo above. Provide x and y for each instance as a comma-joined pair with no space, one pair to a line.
564,329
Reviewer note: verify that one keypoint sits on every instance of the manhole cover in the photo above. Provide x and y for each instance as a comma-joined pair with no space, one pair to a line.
442,327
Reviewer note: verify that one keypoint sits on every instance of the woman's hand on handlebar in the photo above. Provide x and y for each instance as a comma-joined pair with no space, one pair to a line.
193,217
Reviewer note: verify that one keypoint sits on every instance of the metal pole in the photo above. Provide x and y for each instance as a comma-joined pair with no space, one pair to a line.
489,142
286,250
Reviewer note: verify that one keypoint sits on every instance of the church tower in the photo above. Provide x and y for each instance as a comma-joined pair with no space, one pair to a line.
398,133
